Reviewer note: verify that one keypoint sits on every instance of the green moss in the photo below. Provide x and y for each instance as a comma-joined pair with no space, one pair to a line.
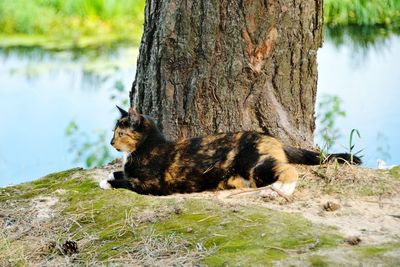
318,261
249,235
109,217
44,186
395,172
377,250
381,255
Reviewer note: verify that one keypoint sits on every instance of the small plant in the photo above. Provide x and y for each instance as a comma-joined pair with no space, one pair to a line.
351,144
119,93
93,150
57,24
361,12
330,109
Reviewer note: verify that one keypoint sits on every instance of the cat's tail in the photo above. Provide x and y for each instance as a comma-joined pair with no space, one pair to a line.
307,157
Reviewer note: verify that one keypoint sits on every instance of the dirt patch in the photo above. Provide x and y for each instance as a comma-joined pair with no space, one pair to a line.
43,207
368,218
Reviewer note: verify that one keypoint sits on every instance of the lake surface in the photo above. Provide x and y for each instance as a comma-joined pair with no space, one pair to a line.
367,79
44,95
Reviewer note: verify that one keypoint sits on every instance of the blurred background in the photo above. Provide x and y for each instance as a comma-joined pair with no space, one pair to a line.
64,65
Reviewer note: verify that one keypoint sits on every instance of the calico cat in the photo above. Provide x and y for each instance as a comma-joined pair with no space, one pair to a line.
156,166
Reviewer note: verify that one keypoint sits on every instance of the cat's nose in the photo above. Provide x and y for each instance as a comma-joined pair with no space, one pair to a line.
112,142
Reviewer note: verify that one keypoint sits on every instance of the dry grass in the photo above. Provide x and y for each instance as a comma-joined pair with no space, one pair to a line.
25,235
170,250
346,181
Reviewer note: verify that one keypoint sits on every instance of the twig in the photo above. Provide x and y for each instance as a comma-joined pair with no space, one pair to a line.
220,235
244,191
380,202
319,174
277,248
243,218
206,218
80,226
280,193
286,197
298,251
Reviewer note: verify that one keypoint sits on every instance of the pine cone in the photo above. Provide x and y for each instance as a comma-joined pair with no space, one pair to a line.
331,206
69,247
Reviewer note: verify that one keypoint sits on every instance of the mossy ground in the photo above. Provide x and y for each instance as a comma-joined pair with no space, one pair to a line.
122,227
385,255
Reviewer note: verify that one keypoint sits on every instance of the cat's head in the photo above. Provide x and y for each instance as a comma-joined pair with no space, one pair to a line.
132,129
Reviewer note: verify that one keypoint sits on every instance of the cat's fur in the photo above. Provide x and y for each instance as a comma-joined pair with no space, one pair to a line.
158,166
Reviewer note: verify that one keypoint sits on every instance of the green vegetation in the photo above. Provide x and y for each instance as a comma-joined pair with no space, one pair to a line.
121,227
263,236
329,110
351,144
45,185
57,24
94,152
383,255
395,172
93,148
362,12
110,224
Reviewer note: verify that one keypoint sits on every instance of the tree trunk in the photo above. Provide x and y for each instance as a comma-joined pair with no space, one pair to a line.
210,66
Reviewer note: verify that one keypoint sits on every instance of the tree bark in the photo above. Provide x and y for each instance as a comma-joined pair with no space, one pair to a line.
210,66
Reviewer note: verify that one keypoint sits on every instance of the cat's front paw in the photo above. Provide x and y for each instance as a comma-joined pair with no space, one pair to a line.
111,176
268,193
105,184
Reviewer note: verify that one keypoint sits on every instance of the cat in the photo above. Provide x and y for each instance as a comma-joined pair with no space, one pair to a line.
156,166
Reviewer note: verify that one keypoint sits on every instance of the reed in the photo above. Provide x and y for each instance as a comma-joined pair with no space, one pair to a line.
362,12
74,19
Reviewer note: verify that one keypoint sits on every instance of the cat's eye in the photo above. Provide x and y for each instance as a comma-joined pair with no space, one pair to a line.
120,134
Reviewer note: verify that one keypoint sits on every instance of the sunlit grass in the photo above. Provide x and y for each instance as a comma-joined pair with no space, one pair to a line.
362,12
72,21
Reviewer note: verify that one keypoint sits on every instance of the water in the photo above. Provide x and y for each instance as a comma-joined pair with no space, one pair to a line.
367,79
42,93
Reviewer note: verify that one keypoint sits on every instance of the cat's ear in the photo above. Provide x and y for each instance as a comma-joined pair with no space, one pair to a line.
134,117
123,112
